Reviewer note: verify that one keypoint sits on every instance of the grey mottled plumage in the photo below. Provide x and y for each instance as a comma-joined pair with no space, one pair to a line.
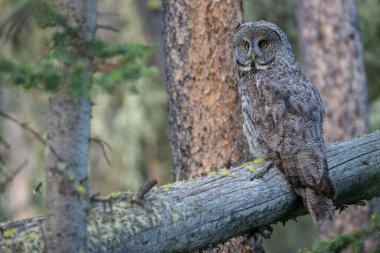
283,113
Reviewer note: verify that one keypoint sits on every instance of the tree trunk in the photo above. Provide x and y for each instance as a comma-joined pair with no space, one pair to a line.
332,57
204,112
205,124
68,136
194,215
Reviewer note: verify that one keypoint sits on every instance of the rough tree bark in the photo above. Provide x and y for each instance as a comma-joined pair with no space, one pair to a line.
193,215
204,113
68,137
205,125
332,57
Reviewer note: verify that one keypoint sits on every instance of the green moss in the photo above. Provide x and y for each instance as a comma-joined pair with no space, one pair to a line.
115,194
32,236
257,161
337,243
226,173
211,174
250,168
31,241
167,187
8,233
80,189
154,5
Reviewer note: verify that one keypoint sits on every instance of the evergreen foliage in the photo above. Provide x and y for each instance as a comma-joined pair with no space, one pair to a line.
113,63
336,244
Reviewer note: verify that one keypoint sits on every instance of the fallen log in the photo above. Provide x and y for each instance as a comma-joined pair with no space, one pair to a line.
203,212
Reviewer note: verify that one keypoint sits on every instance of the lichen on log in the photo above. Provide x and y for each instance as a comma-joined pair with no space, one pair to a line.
203,212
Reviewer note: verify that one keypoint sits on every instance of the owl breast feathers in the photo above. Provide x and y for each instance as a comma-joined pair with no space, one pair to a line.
283,113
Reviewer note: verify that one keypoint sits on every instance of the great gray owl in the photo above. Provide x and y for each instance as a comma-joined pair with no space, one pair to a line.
283,113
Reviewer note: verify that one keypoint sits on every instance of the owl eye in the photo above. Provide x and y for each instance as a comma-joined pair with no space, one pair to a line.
246,45
263,44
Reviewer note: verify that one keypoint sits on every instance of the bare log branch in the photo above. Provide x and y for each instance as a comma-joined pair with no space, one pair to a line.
9,178
138,197
26,127
103,144
196,214
107,27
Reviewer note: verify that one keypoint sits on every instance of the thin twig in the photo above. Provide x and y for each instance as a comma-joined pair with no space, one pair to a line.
37,189
13,174
103,144
4,143
138,197
104,14
107,27
26,127
94,197
6,147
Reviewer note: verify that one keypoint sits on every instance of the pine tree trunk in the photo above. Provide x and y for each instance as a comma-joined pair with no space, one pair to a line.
68,136
332,57
204,113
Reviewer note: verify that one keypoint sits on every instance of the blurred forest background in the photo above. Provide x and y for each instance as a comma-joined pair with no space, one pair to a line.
132,118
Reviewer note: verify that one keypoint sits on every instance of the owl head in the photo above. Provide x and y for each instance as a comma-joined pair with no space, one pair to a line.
258,45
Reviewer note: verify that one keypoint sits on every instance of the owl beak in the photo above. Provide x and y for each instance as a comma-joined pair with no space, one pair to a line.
253,57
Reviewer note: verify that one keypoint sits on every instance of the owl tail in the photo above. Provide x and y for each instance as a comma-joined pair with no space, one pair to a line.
320,207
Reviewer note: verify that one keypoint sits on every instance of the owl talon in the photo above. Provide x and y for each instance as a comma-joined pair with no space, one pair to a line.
262,172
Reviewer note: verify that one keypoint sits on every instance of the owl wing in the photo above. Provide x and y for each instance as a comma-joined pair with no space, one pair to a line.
293,130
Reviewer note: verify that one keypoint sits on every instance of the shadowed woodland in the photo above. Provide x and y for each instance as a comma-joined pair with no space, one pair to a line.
97,102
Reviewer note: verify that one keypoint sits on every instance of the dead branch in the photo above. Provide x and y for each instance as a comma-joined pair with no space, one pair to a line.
190,215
